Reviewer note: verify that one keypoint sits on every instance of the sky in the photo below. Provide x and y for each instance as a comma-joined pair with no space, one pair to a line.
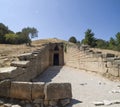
63,18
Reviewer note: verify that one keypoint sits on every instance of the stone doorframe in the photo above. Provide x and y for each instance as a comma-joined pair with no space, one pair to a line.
56,48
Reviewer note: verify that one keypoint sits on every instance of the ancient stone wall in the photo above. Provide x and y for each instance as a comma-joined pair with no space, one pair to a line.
15,81
28,65
88,59
49,94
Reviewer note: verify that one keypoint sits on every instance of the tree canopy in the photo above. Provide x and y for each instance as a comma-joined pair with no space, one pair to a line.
9,37
3,30
29,33
89,38
72,39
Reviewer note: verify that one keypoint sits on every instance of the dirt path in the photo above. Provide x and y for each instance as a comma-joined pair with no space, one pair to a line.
86,87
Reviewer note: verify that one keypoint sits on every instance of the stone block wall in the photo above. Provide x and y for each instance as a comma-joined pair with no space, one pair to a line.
28,65
90,60
15,81
50,94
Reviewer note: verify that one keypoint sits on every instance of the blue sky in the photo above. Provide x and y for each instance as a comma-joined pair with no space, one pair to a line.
63,18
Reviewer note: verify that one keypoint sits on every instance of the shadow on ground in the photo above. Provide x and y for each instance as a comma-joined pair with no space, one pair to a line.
49,74
73,102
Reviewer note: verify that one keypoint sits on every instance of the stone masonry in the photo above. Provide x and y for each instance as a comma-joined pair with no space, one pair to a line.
90,60
36,91
16,80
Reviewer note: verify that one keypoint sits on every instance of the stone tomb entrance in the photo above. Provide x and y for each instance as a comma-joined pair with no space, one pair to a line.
56,57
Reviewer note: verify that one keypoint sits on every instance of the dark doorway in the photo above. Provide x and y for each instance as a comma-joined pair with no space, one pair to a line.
56,59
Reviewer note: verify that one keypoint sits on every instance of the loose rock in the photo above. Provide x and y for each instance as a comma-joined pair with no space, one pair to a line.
7,105
16,106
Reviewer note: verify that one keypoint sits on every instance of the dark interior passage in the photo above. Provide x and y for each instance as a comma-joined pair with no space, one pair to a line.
56,59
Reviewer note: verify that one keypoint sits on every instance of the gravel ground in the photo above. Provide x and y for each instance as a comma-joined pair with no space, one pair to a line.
87,87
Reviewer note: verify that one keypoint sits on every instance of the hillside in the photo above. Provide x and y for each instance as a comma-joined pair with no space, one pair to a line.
9,52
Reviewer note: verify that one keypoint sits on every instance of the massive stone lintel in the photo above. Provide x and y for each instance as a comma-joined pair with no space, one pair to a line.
6,72
23,64
38,90
57,91
21,90
5,88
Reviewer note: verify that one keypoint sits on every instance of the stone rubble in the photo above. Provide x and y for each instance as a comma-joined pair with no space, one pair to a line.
115,91
83,84
106,102
35,103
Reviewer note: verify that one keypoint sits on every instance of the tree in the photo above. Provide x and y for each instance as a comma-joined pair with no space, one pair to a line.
118,41
112,44
118,38
89,38
72,39
28,33
100,43
11,38
20,38
3,30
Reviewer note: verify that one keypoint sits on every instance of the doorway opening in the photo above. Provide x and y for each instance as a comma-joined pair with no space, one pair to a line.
56,59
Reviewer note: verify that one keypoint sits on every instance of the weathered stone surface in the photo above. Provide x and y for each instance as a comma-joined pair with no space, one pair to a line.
27,75
110,59
117,62
1,102
16,106
36,105
7,105
5,72
28,105
98,103
5,88
109,64
57,91
25,56
22,102
46,103
113,71
108,55
38,101
98,54
53,103
20,64
38,90
35,52
65,102
19,71
21,90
